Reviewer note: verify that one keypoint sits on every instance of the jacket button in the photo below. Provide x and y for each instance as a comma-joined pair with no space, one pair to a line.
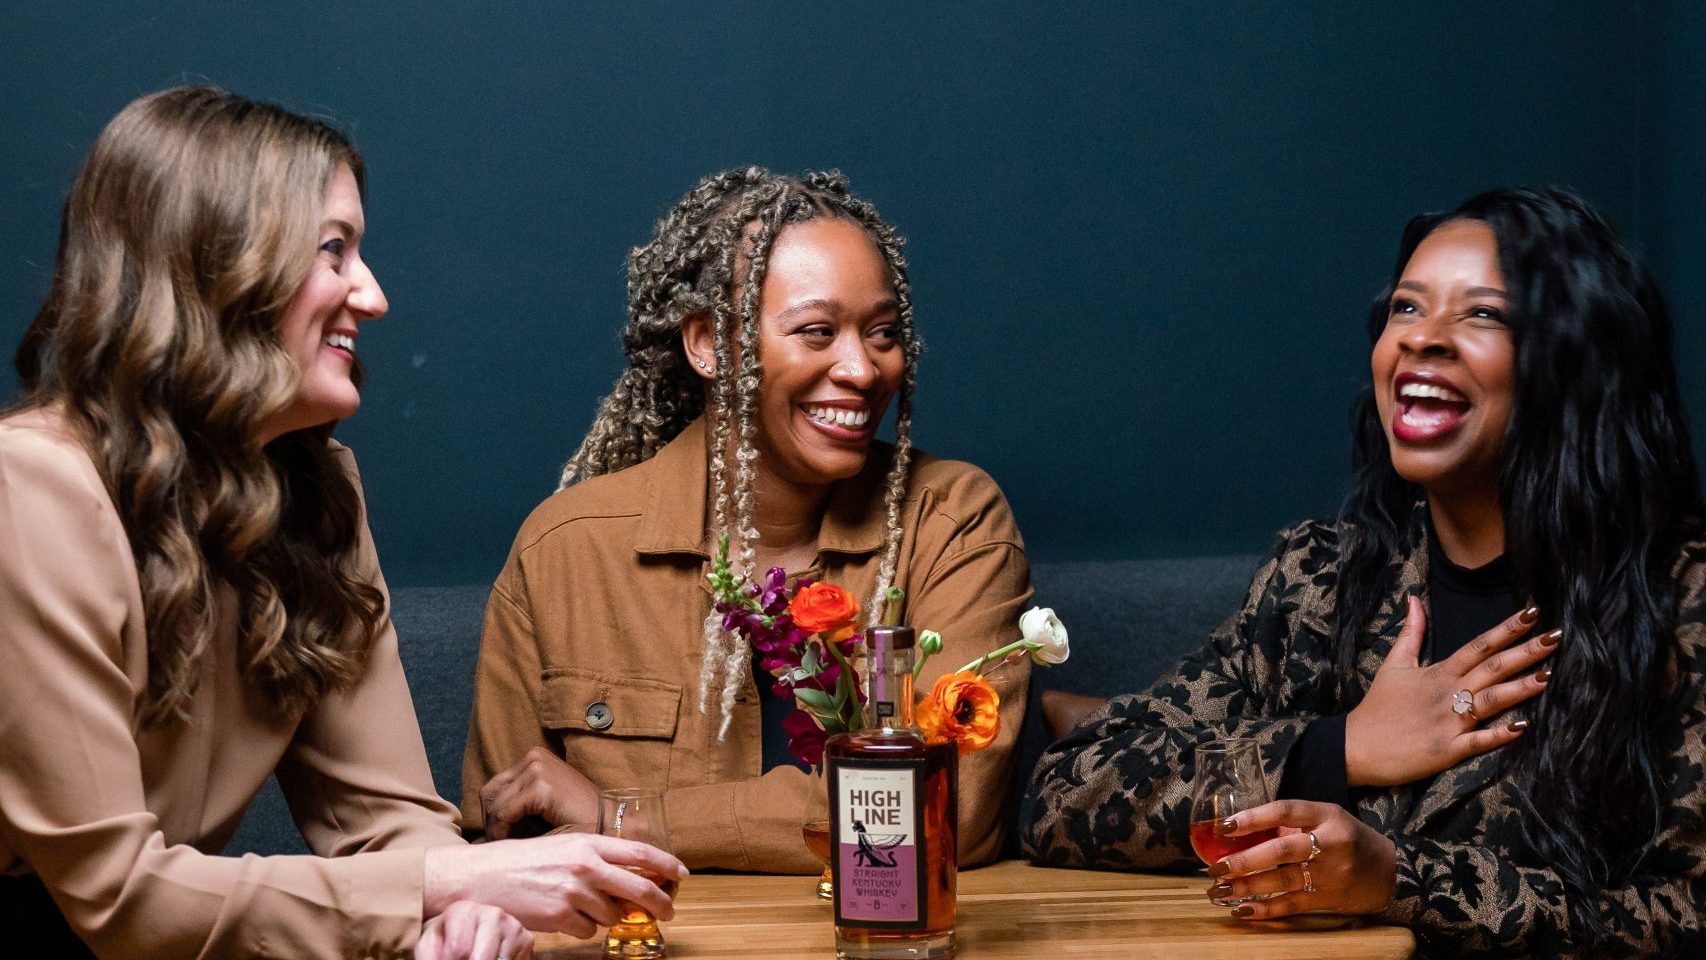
598,716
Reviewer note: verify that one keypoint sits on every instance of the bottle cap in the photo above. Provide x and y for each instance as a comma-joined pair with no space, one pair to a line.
894,638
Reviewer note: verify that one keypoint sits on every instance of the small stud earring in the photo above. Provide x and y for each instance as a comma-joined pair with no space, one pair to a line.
703,365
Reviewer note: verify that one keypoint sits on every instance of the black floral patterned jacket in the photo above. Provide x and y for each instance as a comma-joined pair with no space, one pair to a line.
1116,792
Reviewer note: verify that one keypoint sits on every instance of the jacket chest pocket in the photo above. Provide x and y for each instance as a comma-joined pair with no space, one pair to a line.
617,731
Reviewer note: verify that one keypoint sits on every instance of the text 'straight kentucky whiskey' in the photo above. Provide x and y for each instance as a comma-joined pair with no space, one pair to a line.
893,816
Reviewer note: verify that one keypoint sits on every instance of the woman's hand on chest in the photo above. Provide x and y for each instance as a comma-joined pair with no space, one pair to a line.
1417,721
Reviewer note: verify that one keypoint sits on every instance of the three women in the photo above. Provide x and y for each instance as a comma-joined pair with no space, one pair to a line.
196,604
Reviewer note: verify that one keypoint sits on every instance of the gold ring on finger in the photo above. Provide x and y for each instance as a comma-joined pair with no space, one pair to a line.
1463,704
1314,848
1308,881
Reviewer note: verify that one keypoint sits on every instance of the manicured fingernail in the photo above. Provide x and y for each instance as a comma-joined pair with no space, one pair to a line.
1218,869
1527,617
1244,912
1221,890
1226,826
1551,637
1518,726
1545,675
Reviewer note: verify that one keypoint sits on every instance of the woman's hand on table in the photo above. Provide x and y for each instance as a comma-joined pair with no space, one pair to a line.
541,784
1405,727
1355,871
474,931
570,883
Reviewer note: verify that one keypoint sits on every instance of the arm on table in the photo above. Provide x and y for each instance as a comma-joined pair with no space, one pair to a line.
1116,793
72,804
751,825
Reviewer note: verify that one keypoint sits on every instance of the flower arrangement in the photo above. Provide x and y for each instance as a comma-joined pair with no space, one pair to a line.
808,643
963,705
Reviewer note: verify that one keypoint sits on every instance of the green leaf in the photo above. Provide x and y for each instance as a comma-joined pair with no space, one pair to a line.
817,701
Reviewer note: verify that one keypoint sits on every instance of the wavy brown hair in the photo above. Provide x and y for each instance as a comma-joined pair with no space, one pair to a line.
187,232
709,256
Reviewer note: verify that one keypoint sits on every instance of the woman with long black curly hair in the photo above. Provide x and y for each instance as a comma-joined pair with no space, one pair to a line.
1478,689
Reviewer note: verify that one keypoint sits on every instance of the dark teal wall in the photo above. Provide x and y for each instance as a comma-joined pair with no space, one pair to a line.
1143,236
1673,198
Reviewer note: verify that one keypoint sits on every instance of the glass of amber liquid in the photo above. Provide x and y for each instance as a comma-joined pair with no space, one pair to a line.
1228,781
815,827
636,815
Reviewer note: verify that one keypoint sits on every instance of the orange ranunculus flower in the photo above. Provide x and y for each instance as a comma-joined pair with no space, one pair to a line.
961,707
823,606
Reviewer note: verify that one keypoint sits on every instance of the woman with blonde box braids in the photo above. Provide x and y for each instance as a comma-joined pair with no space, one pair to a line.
770,325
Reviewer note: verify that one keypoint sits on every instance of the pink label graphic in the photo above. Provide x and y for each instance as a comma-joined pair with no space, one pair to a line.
877,845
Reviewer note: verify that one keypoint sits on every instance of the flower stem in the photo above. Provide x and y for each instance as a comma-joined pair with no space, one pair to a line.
996,654
891,606
849,696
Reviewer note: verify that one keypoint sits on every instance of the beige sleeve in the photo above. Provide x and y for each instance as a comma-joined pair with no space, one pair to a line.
972,593
356,773
975,605
505,721
72,805
749,825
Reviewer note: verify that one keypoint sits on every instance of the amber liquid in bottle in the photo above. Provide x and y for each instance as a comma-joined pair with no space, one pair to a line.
891,741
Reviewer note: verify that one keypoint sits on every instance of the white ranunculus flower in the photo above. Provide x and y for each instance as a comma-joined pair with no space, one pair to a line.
1042,628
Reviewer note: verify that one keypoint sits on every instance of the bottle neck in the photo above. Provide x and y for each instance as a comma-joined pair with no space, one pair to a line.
888,685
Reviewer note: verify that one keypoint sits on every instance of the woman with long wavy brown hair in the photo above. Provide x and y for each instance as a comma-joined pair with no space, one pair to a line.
190,596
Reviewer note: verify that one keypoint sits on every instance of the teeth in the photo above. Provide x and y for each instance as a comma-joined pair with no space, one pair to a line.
1416,418
1429,391
839,416
339,340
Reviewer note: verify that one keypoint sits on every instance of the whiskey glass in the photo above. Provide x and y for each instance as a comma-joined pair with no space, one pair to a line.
814,828
1228,780
634,814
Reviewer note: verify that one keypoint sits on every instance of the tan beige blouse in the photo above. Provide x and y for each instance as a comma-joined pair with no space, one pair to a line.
124,825
602,602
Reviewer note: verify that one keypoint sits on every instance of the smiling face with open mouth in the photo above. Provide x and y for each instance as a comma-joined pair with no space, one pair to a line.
829,338
1444,364
321,324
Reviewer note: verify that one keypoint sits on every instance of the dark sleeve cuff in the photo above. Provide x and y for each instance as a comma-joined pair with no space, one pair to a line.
1316,768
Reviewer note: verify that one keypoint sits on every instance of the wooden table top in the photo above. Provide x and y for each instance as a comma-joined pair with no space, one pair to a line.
1010,909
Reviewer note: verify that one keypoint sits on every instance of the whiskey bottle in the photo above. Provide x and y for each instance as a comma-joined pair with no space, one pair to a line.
894,817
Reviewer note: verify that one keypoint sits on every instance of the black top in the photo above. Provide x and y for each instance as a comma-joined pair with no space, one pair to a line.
772,711
1463,603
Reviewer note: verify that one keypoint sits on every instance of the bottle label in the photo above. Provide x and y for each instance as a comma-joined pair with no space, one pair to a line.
879,863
